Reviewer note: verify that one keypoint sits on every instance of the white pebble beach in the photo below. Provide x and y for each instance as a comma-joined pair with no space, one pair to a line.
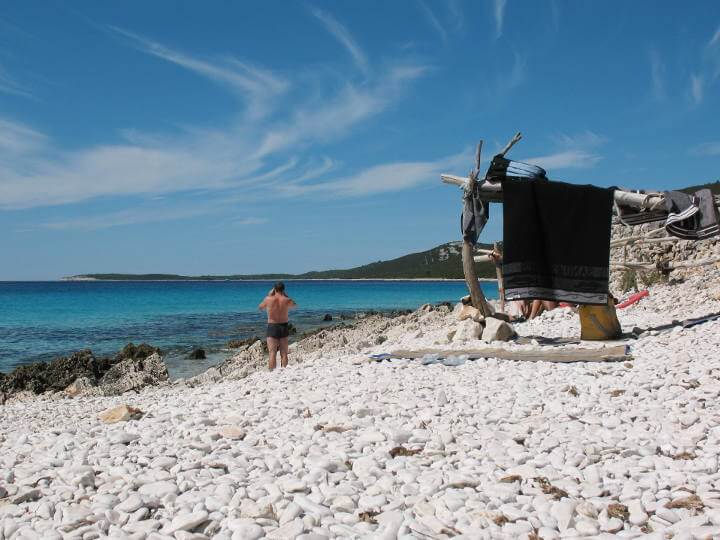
337,446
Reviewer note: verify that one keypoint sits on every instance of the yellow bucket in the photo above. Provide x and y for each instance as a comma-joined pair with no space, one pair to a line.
599,322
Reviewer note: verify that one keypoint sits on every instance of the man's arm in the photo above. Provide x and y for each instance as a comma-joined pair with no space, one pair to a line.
291,303
264,303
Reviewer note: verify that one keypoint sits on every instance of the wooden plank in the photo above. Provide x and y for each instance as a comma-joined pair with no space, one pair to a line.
558,355
493,193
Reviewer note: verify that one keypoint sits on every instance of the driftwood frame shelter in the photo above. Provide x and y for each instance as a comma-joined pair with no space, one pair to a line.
492,192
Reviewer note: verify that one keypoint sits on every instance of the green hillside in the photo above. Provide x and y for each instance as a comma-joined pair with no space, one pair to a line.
441,262
712,186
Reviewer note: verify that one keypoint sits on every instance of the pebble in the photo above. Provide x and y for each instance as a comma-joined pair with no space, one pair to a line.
129,505
289,531
185,522
122,437
158,489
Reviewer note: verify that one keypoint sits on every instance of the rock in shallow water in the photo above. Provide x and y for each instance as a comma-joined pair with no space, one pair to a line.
198,354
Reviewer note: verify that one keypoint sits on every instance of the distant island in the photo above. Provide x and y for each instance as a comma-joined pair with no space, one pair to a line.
441,262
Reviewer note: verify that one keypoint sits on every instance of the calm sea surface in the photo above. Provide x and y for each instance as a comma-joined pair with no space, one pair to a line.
42,320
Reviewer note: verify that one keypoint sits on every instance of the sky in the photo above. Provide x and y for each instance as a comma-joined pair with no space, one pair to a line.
264,136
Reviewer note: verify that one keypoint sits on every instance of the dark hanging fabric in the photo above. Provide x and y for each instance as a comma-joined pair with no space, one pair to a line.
691,217
501,168
556,241
475,215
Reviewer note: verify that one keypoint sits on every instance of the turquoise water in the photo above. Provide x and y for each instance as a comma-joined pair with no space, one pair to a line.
42,320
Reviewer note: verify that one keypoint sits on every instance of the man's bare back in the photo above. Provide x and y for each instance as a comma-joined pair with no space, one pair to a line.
277,304
277,307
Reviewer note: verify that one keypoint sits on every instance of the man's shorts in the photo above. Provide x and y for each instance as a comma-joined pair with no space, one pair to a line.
278,330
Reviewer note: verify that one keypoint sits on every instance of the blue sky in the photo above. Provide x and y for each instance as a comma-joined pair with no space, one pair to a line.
227,137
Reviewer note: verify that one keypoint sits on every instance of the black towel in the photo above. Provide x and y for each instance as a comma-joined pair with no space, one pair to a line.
556,240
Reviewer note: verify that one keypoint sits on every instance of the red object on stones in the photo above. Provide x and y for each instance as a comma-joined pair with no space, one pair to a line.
634,299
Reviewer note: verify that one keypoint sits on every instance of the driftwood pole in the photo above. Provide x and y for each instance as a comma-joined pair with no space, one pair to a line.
498,273
477,298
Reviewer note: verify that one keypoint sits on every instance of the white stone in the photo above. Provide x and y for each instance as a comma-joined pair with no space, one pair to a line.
470,312
185,522
312,507
667,514
289,531
120,436
399,436
586,527
467,330
251,509
158,490
371,436
497,330
247,531
129,505
637,513
292,510
563,512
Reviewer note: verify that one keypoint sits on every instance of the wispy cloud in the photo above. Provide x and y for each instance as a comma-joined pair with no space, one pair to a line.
8,85
576,151
706,75
17,139
342,34
311,173
257,85
433,20
706,149
128,217
569,159
697,88
515,77
384,178
244,222
457,19
583,140
715,39
240,158
712,54
499,13
657,73
335,116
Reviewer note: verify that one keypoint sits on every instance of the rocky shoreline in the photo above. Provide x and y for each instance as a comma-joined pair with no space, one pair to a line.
336,446
82,374
134,367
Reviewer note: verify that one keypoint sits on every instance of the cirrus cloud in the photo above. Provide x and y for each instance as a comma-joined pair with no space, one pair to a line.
240,157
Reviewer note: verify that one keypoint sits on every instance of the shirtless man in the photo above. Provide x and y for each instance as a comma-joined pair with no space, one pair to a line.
277,304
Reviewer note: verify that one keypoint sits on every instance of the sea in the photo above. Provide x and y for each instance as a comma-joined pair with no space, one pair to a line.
40,321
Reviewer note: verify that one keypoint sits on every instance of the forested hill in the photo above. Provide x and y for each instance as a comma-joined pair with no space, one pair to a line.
713,186
441,262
